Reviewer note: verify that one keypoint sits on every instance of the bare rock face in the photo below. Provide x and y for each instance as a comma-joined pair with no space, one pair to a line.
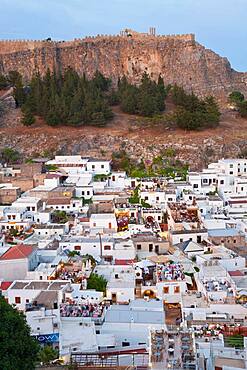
177,58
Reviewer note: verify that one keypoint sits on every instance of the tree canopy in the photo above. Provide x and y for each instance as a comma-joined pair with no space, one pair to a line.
9,155
147,99
70,99
96,282
193,113
236,97
18,349
64,99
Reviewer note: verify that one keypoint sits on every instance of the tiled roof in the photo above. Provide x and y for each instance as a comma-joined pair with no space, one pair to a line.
236,273
17,252
58,201
4,285
119,262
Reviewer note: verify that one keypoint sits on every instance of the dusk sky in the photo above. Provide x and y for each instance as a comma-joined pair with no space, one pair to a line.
220,25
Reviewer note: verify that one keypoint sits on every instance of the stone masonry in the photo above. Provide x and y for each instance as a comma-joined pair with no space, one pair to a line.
177,58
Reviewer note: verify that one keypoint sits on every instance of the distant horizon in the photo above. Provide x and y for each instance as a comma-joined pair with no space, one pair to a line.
218,25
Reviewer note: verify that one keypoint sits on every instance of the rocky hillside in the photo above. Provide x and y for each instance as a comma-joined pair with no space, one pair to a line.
139,139
177,58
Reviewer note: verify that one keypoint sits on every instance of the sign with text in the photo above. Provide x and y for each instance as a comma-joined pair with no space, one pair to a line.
47,338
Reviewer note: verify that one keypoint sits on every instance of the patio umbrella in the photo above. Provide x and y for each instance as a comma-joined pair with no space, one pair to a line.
144,264
159,259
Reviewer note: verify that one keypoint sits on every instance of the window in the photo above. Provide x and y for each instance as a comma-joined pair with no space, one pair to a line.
231,165
234,241
109,225
33,208
159,218
150,247
205,181
113,178
107,247
222,182
94,224
169,199
88,192
176,289
157,198
102,166
181,240
138,247
82,192
93,166
199,239
231,173
77,247
132,214
157,248
146,198
166,290
27,300
17,300
125,344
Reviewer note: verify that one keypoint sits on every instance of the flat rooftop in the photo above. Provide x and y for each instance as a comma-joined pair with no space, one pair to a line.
145,313
224,232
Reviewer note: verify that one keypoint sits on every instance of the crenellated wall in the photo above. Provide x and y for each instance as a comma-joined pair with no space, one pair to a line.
177,58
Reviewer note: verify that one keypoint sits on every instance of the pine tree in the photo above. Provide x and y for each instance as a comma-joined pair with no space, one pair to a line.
28,118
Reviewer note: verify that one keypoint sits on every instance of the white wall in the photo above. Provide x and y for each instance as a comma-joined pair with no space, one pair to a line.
11,270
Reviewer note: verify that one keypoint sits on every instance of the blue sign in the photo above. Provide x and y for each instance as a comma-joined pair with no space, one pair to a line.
47,338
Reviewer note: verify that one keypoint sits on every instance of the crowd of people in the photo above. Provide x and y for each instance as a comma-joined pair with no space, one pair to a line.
171,271
73,309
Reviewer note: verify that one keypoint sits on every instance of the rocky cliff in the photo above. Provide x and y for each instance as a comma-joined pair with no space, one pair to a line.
177,58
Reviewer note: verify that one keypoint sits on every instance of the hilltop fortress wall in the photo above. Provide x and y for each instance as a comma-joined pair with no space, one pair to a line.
177,58
12,46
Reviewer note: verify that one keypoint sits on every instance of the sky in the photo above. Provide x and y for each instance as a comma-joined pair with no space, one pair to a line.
220,25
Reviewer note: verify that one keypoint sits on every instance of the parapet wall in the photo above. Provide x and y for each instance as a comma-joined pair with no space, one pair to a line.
12,46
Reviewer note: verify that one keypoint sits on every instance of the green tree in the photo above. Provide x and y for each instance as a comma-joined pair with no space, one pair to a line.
60,217
236,97
28,118
97,282
3,82
1,109
193,113
9,155
18,349
14,77
47,354
19,94
243,108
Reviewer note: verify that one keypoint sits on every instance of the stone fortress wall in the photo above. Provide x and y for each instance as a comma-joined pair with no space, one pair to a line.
12,46
179,59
